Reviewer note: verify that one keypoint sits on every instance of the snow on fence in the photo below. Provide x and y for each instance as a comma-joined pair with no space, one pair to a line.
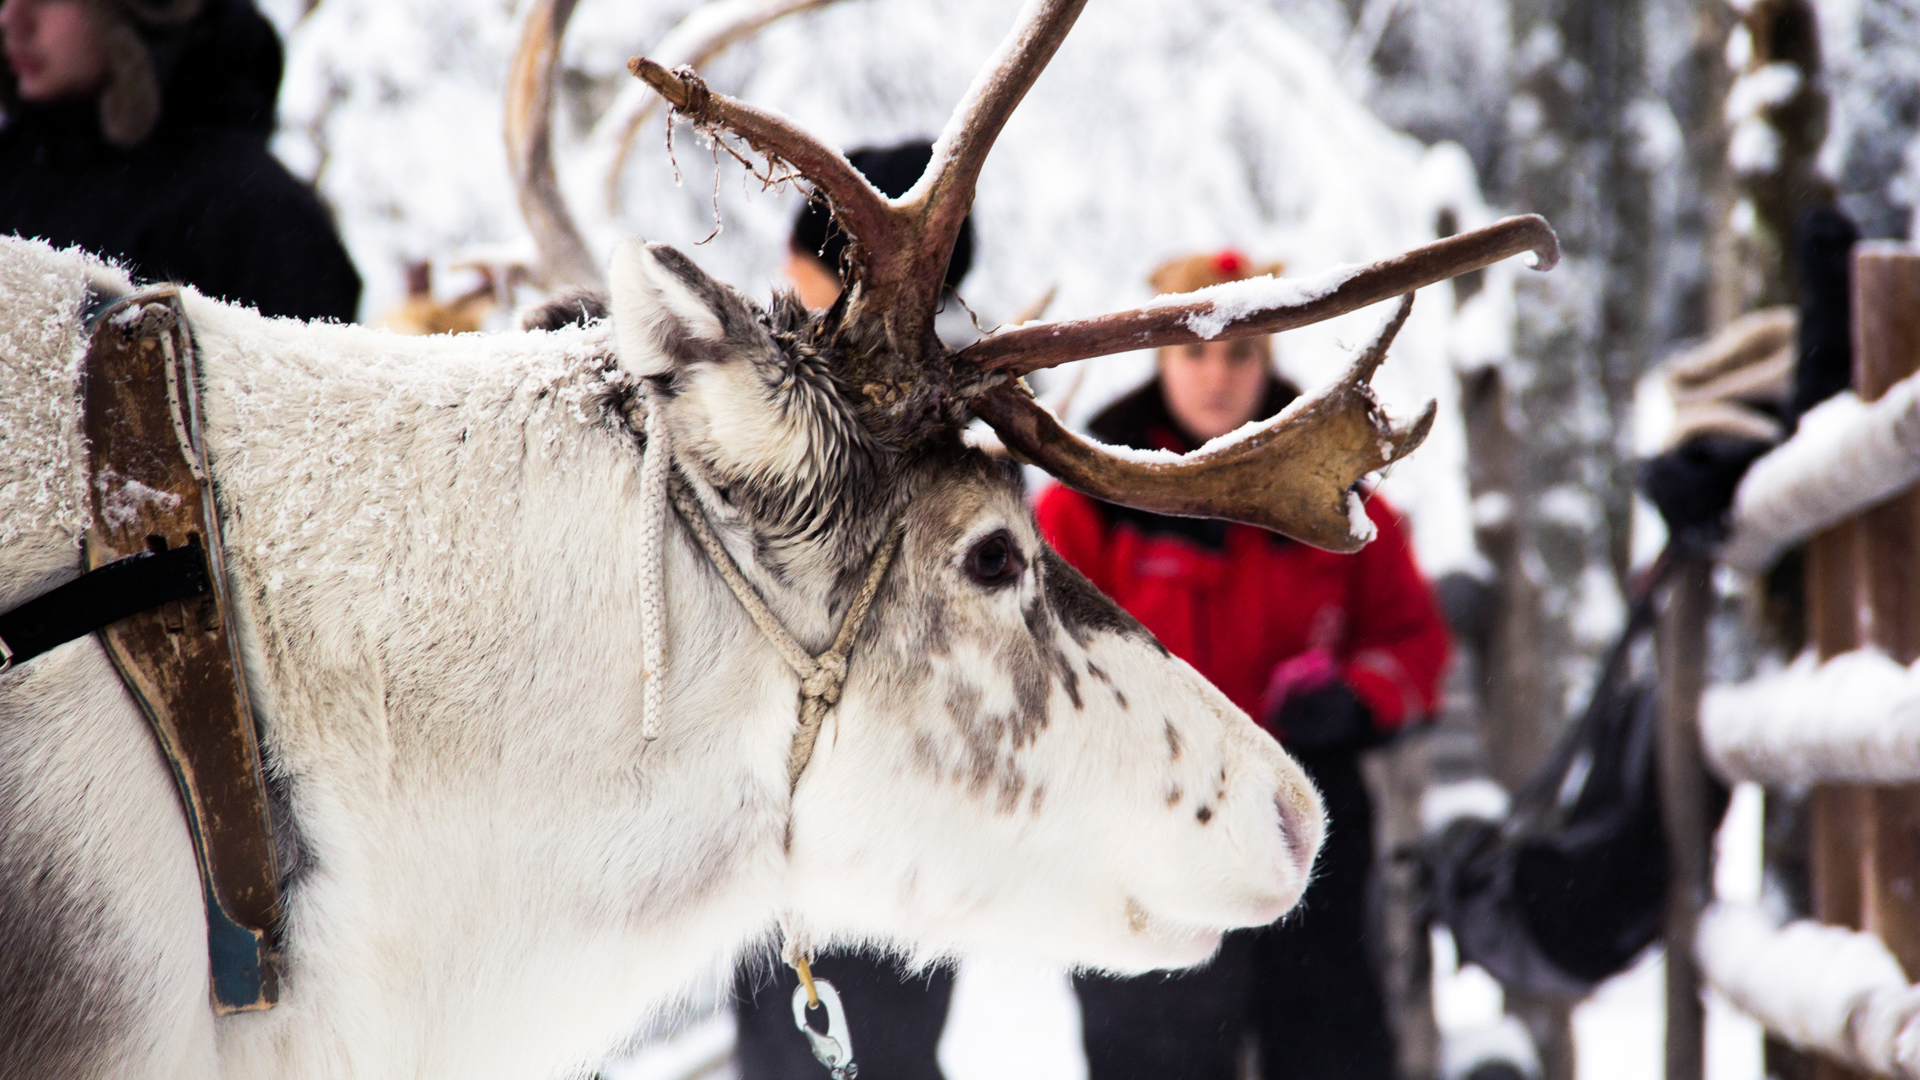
1846,456
1822,988
1851,724
1854,719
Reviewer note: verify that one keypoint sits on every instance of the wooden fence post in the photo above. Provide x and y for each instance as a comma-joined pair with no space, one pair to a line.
1886,319
1683,805
1835,846
1863,583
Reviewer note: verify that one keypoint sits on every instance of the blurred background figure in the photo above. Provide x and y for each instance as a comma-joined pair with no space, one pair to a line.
815,248
137,129
899,1014
1333,653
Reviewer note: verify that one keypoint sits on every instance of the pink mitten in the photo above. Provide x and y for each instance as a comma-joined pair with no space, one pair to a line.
1301,674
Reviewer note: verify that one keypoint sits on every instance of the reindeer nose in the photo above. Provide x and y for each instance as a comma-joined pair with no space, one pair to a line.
1300,827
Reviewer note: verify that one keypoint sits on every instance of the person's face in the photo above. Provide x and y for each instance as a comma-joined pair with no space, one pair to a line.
1215,386
816,285
53,48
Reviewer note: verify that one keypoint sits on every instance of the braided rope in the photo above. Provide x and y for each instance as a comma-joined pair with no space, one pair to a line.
821,677
655,468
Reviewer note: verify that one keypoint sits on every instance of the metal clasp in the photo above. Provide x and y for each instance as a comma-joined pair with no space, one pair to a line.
835,1048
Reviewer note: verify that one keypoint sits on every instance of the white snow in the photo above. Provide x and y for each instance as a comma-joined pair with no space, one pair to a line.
1658,140
1846,456
1236,300
1492,509
1820,987
1569,505
1870,71
122,506
1765,86
1853,719
1469,1011
697,31
1011,1019
1738,848
1443,804
1598,609
1618,1032
1359,525
1755,145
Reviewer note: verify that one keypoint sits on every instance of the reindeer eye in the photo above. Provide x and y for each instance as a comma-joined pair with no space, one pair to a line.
995,561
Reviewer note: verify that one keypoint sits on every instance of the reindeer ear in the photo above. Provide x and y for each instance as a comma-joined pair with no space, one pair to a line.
667,311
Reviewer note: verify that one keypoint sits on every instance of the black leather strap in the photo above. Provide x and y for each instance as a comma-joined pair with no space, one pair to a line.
127,587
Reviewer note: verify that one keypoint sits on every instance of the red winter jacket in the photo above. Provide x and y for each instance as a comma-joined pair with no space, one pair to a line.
1235,601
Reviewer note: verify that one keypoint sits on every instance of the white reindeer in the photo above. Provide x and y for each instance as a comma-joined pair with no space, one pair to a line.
437,551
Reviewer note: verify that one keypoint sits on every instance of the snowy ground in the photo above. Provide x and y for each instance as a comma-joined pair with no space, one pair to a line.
1013,1021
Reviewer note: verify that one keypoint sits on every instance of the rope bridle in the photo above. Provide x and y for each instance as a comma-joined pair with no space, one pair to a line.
821,678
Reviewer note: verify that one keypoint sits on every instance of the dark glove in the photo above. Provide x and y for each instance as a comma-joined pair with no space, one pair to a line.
1692,485
1330,718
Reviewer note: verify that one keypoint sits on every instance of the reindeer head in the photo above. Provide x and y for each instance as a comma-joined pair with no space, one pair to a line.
1014,759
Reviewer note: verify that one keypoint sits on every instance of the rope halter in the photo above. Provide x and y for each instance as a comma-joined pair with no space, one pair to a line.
821,677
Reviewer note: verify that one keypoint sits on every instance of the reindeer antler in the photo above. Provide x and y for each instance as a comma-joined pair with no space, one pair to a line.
861,210
937,206
564,258
1263,305
705,32
1291,474
903,245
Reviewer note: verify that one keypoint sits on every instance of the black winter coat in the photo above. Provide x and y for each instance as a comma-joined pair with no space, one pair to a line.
200,200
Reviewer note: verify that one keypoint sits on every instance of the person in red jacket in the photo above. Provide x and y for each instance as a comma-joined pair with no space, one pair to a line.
1331,653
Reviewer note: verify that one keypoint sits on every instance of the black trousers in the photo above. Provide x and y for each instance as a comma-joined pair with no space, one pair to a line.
894,1020
1304,988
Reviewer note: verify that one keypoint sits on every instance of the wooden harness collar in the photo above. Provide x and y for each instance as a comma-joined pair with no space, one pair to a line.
154,590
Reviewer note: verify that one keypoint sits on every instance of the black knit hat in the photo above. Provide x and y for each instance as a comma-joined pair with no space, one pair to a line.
893,170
